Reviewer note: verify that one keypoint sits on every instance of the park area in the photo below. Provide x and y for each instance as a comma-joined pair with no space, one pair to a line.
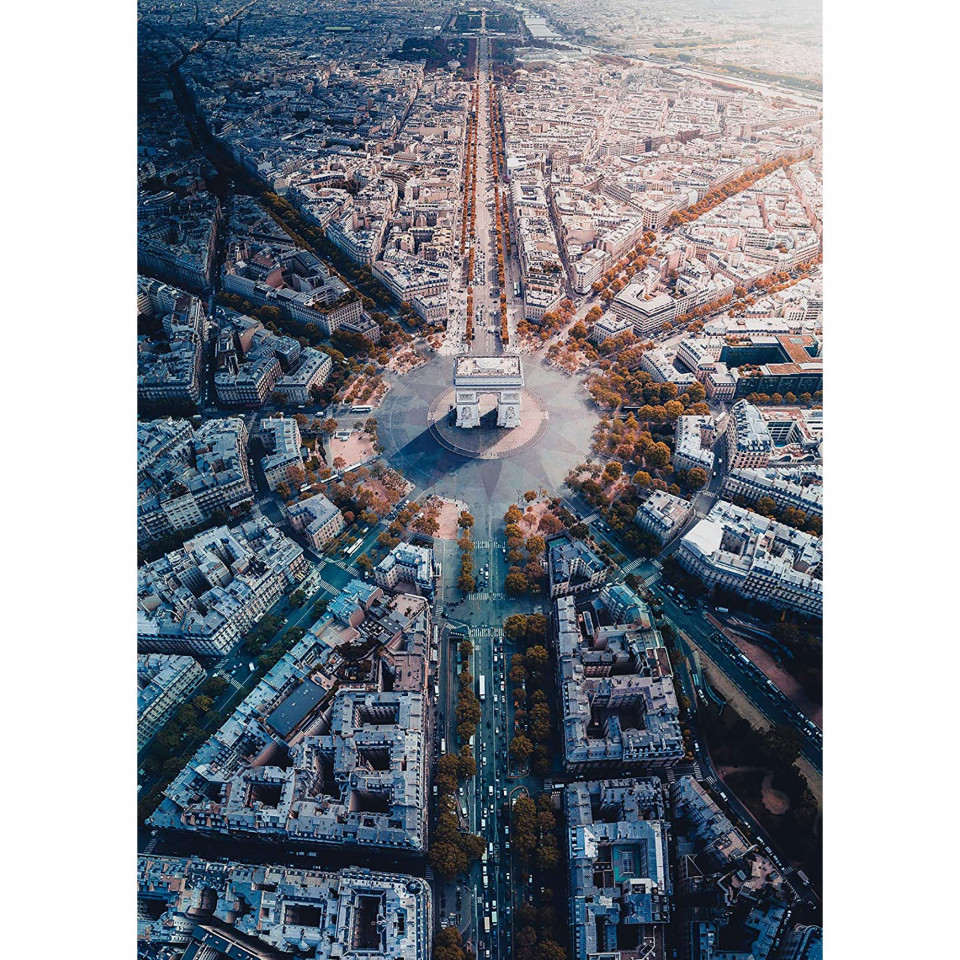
366,389
404,361
358,448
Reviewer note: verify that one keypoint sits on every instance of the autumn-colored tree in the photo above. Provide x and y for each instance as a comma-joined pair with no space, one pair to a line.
520,747
696,478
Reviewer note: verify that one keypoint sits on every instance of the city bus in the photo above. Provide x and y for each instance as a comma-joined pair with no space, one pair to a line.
482,691
362,408
486,924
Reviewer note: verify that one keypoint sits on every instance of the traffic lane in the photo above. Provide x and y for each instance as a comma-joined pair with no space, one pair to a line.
767,702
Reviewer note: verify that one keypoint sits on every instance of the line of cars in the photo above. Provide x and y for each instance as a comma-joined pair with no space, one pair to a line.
808,727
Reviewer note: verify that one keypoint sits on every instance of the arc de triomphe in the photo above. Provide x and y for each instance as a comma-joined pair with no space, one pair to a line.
475,376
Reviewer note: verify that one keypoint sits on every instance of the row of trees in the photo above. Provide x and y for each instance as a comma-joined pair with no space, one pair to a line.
466,581
741,183
804,399
619,380
502,236
525,573
176,741
312,237
541,928
452,850
529,672
616,277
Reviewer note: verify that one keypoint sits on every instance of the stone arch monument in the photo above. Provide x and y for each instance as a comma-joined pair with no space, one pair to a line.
475,376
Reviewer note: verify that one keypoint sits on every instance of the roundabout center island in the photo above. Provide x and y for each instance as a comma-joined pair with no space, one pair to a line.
463,419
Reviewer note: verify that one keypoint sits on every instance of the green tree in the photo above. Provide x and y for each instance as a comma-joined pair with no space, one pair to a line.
202,703
783,745
549,949
537,657
536,627
518,675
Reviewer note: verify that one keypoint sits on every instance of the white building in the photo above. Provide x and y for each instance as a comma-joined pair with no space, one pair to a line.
312,371
663,514
317,519
757,558
283,463
692,440
647,314
407,563
748,439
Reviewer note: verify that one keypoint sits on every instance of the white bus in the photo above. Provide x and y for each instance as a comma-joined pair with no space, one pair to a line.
482,687
363,408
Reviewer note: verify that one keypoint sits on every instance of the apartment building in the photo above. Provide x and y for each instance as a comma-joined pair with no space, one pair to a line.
313,370
618,846
693,438
618,703
663,514
407,563
757,558
622,604
189,905
202,598
353,771
748,442
647,314
317,519
797,488
163,683
283,463
574,567
192,479
609,325
248,384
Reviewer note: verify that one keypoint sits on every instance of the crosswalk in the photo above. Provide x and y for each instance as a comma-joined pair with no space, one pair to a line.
329,587
486,595
633,564
347,568
232,680
480,633
486,544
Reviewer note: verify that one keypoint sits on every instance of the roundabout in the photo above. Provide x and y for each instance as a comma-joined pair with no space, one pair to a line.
470,464
487,441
